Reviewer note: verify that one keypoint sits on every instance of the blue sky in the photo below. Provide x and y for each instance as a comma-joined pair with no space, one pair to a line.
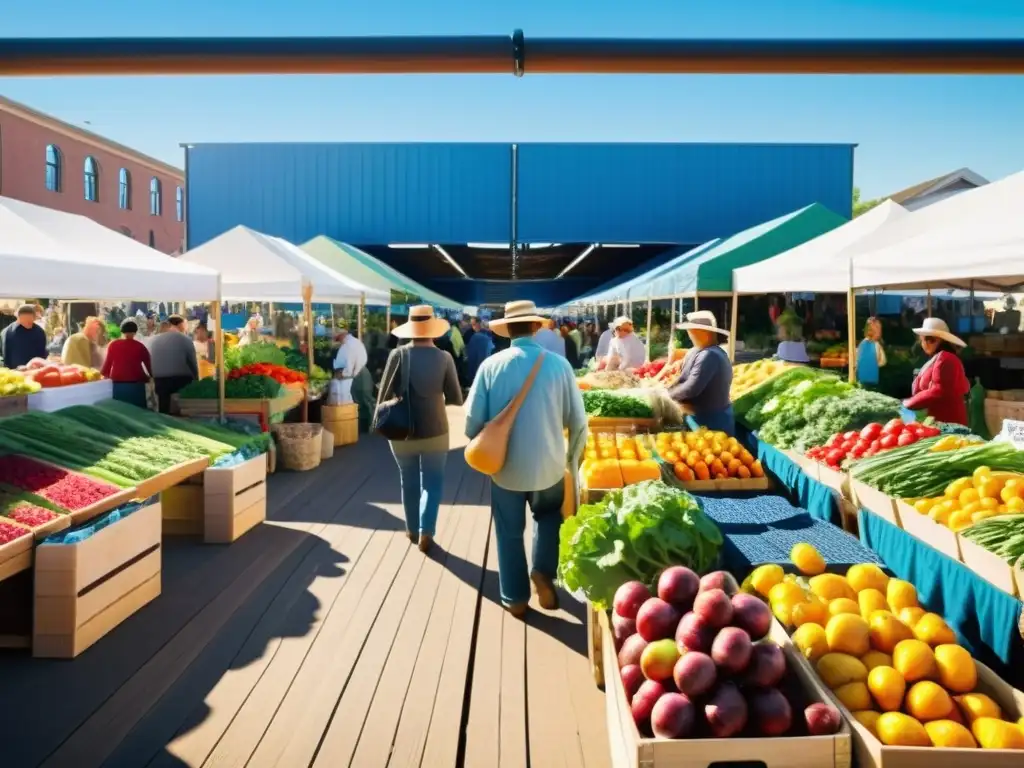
908,128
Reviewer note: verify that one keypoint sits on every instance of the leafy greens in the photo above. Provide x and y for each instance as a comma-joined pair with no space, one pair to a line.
634,533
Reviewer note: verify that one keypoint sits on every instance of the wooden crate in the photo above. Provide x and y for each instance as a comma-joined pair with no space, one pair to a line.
235,500
265,409
630,748
810,467
834,479
171,477
84,590
938,537
873,500
871,753
16,555
611,424
183,508
595,651
342,421
988,565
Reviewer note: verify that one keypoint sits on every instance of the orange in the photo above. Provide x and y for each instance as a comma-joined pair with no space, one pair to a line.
848,633
887,686
807,559
843,605
933,629
975,705
957,671
871,600
898,730
914,660
887,631
948,734
911,615
809,613
928,701
873,659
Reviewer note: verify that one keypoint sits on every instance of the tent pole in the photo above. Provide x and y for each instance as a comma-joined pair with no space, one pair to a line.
650,310
851,330
928,303
733,322
696,301
218,348
672,326
362,314
307,313
387,321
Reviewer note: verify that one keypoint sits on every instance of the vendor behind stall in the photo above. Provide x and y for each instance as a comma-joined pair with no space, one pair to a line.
626,351
350,368
704,382
941,386
790,329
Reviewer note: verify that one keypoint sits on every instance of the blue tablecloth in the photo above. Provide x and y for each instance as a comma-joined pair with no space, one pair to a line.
985,618
818,499
85,530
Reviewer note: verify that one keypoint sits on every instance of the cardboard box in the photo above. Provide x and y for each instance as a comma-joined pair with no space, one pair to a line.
873,500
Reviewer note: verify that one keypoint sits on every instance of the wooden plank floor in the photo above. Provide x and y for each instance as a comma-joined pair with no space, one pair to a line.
323,638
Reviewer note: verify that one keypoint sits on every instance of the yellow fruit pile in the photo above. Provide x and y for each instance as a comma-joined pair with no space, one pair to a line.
706,455
615,460
748,376
970,500
896,667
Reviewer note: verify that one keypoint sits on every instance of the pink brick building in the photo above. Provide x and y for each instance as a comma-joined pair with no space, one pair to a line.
48,162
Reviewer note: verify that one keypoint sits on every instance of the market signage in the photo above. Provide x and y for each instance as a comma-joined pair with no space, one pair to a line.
1012,432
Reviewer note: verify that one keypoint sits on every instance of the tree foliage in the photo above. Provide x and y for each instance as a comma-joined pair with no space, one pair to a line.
861,207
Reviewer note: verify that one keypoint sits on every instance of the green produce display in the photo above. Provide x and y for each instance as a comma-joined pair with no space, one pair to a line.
772,387
256,352
917,472
606,403
634,534
244,387
1003,536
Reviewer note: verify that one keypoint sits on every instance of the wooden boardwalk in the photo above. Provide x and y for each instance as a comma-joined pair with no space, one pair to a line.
323,638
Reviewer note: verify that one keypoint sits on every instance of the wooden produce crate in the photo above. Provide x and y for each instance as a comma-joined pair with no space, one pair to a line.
13,405
234,500
938,537
265,409
342,421
871,753
183,508
873,500
834,479
810,467
988,565
171,477
16,555
84,590
630,749
595,649
610,424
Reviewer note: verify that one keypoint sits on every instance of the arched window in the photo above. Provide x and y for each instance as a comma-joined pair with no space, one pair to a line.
152,239
124,190
179,203
155,204
53,170
92,180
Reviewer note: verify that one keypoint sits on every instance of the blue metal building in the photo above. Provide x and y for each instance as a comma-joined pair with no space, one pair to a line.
474,200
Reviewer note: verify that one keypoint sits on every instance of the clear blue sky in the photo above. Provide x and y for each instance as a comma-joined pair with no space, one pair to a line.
908,128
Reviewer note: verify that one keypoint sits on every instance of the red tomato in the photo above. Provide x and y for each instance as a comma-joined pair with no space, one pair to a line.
862,445
887,442
870,452
893,427
876,446
930,431
834,458
907,438
859,450
836,438
871,432
851,435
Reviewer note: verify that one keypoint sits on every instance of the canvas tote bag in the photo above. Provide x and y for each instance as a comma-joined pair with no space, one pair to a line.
486,452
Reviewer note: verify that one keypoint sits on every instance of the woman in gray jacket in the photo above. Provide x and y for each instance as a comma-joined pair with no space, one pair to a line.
433,383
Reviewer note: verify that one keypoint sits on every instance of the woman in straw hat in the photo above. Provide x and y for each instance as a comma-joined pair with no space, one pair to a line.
432,383
704,382
940,388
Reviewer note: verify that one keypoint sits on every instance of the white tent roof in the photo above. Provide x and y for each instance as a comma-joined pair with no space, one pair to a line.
821,265
57,255
258,267
975,237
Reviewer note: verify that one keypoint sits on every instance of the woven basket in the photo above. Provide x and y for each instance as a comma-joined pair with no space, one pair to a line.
298,445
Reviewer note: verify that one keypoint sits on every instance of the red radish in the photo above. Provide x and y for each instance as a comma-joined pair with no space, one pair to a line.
678,586
656,620
631,651
629,597
632,679
695,673
714,607
644,699
672,716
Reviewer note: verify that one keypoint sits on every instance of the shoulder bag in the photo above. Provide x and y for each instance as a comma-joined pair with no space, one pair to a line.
486,452
392,418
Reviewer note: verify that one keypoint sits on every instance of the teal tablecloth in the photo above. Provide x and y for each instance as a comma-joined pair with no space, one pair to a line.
985,618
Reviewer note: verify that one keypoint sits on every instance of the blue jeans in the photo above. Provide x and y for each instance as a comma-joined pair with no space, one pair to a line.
422,485
718,421
509,511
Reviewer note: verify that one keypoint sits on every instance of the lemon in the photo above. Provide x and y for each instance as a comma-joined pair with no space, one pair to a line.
836,669
848,633
910,616
764,577
954,489
810,639
831,586
869,719
997,734
957,670
873,659
929,701
949,734
886,631
854,696
914,660
975,705
900,594
933,629
786,592
843,605
809,613
807,559
871,600
887,686
866,576
898,730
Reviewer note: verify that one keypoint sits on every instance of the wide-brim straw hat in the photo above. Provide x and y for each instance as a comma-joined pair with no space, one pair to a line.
935,326
702,320
516,312
422,324
618,322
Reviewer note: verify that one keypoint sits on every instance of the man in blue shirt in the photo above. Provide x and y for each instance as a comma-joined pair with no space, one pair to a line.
23,340
537,458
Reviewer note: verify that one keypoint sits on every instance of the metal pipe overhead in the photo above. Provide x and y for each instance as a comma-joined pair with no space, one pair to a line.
498,54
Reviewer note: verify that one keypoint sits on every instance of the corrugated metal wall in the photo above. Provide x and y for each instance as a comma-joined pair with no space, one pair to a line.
546,293
672,193
357,193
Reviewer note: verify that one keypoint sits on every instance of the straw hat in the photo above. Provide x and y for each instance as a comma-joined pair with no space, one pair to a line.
422,324
516,312
618,322
702,320
934,326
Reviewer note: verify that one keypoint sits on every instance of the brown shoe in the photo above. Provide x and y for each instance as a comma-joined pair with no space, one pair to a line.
546,594
518,610
413,537
426,541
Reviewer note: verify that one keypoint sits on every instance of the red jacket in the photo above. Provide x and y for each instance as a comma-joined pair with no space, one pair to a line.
941,389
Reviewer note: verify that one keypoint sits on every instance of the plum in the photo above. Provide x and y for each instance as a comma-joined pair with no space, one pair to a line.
722,580
726,712
732,650
770,712
693,634
644,699
678,585
631,651
622,628
672,716
628,599
656,620
752,614
632,678
659,659
714,607
822,719
695,673
767,665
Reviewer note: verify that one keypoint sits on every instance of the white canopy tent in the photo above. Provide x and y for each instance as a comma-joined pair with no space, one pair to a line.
258,267
821,265
975,240
60,255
